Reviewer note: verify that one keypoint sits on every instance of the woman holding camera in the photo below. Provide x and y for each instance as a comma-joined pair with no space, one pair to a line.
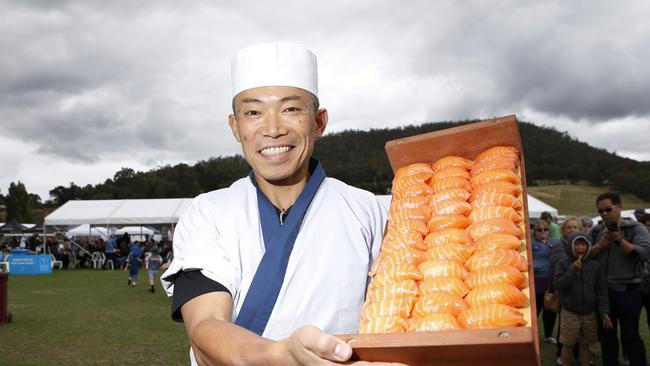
542,249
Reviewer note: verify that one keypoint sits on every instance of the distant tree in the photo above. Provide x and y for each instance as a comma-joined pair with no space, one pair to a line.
19,206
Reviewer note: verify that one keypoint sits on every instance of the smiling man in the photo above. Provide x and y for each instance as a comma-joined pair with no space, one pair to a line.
622,247
264,271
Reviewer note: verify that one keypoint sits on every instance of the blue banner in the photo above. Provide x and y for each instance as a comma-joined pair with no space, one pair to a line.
30,264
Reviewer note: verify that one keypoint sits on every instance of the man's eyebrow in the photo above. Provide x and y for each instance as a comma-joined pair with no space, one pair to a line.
251,100
291,97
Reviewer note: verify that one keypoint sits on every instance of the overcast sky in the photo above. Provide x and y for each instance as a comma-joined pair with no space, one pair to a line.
88,87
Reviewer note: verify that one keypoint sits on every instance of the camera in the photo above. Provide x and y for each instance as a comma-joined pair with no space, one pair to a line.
611,225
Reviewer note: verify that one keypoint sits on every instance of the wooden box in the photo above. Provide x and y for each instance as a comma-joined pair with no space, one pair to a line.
507,346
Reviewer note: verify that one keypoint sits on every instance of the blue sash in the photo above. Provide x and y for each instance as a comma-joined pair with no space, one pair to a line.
278,243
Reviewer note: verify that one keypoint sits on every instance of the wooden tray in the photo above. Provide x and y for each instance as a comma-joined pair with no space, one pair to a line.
507,346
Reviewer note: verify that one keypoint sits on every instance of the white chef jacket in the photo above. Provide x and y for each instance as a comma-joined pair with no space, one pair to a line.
327,272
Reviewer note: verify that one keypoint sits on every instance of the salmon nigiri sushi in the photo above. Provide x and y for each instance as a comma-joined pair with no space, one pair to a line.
496,257
451,285
434,322
387,324
496,293
392,307
448,183
442,268
399,256
480,229
397,273
450,235
496,274
496,186
498,152
497,175
454,252
417,189
422,213
451,161
440,302
396,240
397,290
451,207
490,212
493,164
399,185
449,173
487,199
406,226
441,222
412,169
491,316
498,240
451,193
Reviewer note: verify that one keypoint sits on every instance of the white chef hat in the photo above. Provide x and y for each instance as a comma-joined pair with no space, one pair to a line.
274,64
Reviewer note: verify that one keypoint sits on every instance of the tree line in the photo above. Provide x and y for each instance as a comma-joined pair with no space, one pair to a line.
357,158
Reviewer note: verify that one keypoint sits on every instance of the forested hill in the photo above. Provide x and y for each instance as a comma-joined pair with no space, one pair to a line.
358,158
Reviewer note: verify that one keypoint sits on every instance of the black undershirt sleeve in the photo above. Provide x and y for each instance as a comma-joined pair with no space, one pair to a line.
189,285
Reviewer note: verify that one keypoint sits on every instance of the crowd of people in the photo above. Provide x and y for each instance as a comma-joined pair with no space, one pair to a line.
602,275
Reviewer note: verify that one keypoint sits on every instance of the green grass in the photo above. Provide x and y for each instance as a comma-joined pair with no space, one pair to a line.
89,317
579,199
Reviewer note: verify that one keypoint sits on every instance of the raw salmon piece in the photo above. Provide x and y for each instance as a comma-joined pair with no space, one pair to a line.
496,293
451,193
400,256
496,199
412,169
490,212
397,273
451,207
391,307
491,316
501,187
422,213
480,229
497,175
451,285
440,302
448,183
408,225
388,324
397,290
498,240
454,252
434,322
494,164
395,240
448,236
498,152
496,274
410,202
450,172
496,257
442,268
399,185
440,222
451,161
417,189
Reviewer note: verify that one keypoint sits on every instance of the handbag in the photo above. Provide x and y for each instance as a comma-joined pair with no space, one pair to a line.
552,301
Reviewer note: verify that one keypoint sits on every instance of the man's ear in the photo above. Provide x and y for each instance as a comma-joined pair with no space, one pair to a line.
321,122
232,121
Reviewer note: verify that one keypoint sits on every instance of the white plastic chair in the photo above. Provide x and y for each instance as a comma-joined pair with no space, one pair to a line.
55,262
107,262
5,264
96,260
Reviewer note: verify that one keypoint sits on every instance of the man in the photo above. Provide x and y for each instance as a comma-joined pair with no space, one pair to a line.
263,270
638,212
553,228
622,247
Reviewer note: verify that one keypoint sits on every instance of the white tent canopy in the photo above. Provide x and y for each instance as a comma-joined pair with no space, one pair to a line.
86,230
119,212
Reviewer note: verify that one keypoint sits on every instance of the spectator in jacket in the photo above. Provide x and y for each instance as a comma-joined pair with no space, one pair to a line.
542,249
553,228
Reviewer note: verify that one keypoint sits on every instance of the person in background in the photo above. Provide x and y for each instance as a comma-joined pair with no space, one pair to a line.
587,223
645,281
153,264
583,294
542,249
134,262
638,212
553,228
622,246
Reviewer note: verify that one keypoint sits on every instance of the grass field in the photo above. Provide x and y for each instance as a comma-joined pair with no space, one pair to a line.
578,199
91,317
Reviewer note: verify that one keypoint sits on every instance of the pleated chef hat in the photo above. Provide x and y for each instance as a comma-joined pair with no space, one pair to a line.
274,64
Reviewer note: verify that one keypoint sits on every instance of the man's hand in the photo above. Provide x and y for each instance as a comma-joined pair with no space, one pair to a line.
607,322
577,265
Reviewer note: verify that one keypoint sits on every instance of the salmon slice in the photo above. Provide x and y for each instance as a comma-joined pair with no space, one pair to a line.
448,183
400,256
408,225
397,290
395,240
451,193
388,324
451,207
497,175
442,268
496,257
451,285
397,273
417,189
412,169
451,161
496,199
422,213
448,236
501,187
392,307
491,316
480,229
450,172
490,212
434,322
441,222
498,240
492,164
455,252
411,202
440,302
498,152
399,185
496,293
496,274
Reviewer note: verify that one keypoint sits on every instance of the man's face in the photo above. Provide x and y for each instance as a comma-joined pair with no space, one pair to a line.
277,128
608,211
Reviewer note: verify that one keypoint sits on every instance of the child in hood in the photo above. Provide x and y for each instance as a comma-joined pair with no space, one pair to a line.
134,263
583,292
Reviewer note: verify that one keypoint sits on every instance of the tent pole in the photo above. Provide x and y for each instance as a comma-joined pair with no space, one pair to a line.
44,241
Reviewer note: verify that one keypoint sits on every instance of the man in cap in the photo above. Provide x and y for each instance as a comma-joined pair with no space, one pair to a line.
638,212
553,228
264,271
